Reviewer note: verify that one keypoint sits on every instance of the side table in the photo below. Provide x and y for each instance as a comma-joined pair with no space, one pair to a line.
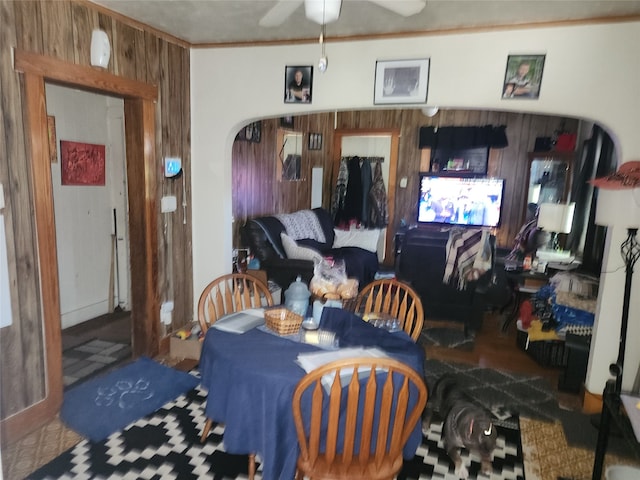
523,286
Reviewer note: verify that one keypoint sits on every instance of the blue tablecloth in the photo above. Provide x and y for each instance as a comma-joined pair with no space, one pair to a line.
251,378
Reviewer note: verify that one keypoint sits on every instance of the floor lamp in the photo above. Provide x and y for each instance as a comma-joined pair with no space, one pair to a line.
621,208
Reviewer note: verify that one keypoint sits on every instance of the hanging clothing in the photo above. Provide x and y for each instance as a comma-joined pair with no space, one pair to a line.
378,212
337,203
352,209
365,173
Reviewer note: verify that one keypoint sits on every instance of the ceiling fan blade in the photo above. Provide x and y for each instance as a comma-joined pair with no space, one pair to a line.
406,8
279,13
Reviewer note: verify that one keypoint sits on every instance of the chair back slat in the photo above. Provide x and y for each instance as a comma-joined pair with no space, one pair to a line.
395,298
368,416
385,417
316,421
401,412
351,417
391,398
335,398
247,294
228,294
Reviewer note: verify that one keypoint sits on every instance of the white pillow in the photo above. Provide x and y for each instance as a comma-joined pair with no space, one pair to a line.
366,239
298,252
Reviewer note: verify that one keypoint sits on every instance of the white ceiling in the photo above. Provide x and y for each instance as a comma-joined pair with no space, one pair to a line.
232,21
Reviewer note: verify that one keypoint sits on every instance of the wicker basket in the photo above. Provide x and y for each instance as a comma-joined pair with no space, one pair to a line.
282,321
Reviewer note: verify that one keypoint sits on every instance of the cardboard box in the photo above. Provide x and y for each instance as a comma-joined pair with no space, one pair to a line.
189,348
259,274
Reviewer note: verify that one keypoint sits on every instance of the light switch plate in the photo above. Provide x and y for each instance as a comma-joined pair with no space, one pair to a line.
168,204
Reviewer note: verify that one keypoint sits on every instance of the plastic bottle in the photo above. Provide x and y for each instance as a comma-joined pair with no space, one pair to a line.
296,297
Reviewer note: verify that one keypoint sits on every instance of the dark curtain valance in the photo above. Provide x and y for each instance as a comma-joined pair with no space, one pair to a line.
463,137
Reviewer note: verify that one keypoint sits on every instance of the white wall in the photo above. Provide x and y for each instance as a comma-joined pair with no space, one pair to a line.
83,214
590,72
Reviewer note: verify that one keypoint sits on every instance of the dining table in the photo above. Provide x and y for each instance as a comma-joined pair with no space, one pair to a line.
250,378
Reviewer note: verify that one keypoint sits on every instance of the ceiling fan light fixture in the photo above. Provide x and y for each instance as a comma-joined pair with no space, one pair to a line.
322,11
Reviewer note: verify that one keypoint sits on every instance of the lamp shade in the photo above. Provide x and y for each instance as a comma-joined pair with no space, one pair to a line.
556,217
322,11
618,208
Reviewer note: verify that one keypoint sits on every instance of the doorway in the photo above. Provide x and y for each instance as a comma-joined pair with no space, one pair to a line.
91,215
379,143
140,140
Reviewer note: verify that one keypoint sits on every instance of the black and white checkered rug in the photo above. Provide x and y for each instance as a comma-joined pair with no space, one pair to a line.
91,358
166,445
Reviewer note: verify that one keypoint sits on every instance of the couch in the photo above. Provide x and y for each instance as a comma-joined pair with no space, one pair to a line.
421,261
263,236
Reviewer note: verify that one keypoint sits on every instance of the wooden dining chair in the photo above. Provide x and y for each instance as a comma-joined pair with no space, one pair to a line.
394,298
371,416
231,293
228,294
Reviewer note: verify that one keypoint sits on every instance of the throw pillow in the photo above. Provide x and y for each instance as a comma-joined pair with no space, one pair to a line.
366,239
295,251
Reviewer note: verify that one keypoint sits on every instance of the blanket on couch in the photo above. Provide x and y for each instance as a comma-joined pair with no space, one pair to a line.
302,224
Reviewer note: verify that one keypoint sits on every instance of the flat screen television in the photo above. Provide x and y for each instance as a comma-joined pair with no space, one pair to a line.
458,200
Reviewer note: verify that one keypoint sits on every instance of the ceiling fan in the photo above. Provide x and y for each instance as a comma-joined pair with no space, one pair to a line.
327,11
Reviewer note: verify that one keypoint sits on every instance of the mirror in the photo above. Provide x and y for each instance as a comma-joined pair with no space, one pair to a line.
289,159
548,179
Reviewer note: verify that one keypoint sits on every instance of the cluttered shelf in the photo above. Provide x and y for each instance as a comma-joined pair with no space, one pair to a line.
555,325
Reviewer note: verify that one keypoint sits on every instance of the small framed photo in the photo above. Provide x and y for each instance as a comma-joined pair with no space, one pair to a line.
523,77
286,122
253,132
298,82
401,81
315,141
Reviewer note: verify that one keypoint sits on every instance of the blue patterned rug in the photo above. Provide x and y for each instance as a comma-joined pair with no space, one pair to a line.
105,404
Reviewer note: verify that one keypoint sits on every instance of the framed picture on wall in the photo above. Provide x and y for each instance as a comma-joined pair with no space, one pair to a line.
315,141
286,122
523,77
401,81
298,82
82,163
253,132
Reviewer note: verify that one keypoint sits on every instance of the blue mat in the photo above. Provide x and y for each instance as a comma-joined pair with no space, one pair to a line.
99,407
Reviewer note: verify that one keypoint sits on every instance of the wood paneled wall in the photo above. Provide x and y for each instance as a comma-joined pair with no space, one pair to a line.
257,192
62,30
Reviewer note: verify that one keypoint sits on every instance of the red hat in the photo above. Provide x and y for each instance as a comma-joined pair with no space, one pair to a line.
627,177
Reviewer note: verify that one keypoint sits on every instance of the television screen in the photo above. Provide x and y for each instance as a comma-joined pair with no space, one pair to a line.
468,201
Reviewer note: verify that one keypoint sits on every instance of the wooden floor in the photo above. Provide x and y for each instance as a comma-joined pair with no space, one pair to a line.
494,348
114,327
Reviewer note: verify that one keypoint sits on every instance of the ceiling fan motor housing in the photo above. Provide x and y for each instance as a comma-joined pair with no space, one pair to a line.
322,11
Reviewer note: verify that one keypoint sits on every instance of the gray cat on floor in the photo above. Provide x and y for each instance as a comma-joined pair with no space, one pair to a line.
466,424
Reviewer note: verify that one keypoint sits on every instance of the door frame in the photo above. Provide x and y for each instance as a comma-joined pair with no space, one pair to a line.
140,140
394,133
